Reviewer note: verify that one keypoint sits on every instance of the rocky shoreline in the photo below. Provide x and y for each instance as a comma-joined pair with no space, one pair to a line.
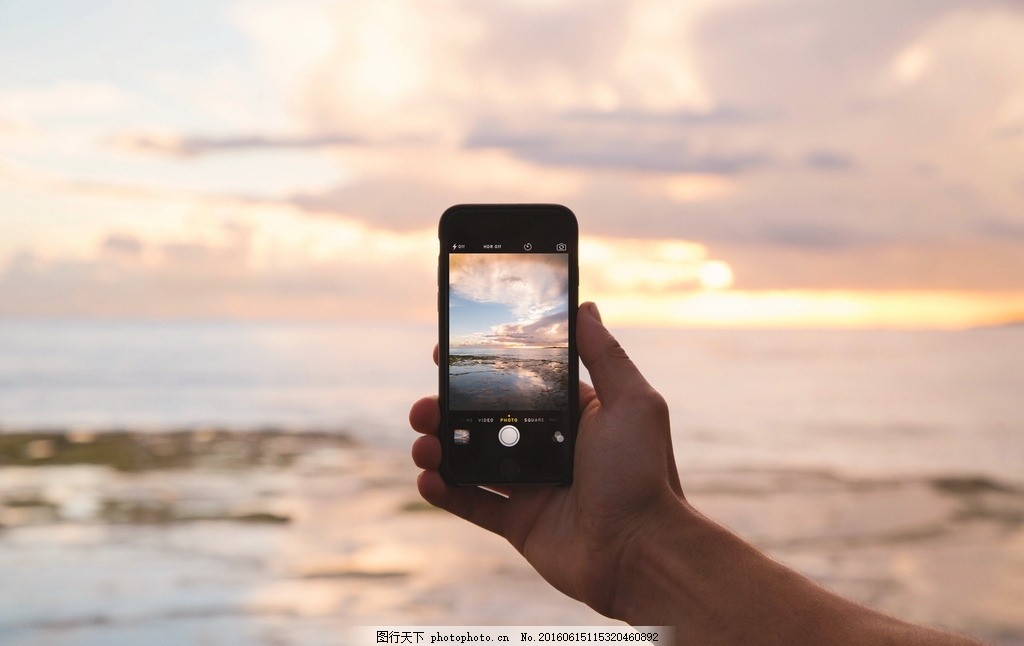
129,450
482,382
300,535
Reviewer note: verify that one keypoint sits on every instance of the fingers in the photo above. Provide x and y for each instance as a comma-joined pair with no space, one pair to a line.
478,506
425,416
614,375
426,452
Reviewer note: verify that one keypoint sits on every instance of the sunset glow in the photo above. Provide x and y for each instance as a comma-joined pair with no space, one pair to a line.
825,309
296,166
715,274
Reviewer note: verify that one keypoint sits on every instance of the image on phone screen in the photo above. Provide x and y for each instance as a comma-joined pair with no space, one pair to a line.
508,332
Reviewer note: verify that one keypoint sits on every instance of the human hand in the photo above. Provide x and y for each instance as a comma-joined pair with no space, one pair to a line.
623,539
583,538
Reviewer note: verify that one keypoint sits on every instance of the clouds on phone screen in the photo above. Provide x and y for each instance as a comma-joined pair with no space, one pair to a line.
509,299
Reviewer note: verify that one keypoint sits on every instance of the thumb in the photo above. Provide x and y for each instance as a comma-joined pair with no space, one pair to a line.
614,375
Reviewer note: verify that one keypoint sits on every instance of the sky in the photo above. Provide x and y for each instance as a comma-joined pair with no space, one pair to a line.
759,163
508,300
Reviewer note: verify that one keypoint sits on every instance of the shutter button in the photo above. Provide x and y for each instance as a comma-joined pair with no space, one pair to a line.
508,435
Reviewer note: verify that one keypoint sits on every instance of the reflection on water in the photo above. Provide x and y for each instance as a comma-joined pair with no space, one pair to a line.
520,381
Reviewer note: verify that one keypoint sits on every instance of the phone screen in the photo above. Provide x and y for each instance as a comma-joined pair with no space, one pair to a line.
507,355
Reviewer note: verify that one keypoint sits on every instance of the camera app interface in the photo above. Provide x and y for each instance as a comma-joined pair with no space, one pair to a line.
508,360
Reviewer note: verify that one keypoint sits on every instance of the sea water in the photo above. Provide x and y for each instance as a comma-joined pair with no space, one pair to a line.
891,406
157,375
873,402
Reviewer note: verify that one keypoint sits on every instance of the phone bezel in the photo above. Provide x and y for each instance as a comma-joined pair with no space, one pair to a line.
508,222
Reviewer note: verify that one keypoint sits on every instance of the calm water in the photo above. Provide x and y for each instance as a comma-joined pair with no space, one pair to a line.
551,354
154,375
512,378
855,401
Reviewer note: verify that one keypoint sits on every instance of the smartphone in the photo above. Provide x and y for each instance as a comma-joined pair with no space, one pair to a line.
509,371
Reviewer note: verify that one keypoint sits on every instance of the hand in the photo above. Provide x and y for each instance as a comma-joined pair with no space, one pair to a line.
624,540
580,538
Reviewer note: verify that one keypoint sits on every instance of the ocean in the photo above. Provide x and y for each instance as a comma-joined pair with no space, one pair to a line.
148,375
858,402
886,465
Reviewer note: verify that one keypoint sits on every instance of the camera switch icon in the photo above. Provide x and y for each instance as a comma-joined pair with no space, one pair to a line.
560,246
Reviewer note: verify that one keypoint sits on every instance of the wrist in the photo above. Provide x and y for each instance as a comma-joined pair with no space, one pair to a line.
713,587
645,581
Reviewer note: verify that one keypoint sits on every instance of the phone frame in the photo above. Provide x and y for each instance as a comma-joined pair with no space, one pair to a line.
513,223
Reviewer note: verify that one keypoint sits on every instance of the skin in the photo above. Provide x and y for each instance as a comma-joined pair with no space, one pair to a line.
629,544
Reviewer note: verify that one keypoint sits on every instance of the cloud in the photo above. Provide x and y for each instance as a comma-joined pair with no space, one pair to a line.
1001,229
835,76
829,160
67,99
401,203
816,95
977,263
788,121
675,118
410,186
804,142
120,244
273,266
639,266
404,66
551,330
630,139
530,285
189,146
800,56
598,144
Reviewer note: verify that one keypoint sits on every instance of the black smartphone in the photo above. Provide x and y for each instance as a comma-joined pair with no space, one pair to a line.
509,371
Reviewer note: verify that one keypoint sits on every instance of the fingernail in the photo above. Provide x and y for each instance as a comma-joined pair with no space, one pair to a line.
592,308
